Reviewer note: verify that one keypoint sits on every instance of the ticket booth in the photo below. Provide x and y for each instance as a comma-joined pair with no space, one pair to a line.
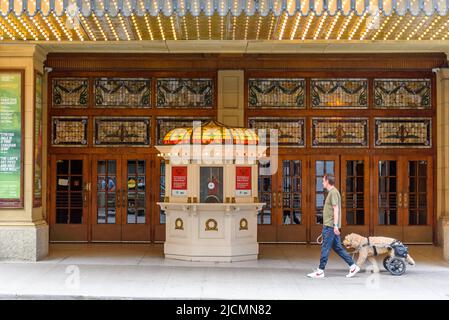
211,201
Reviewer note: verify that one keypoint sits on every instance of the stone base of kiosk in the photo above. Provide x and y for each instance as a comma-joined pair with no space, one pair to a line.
218,232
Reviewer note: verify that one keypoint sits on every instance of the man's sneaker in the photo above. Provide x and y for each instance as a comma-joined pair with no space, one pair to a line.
353,270
318,273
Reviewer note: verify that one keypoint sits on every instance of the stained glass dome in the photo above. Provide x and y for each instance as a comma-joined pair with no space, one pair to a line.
212,132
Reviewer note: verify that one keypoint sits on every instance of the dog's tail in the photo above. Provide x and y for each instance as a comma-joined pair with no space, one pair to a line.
410,260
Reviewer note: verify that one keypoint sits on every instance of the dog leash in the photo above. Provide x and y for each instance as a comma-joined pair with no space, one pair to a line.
318,239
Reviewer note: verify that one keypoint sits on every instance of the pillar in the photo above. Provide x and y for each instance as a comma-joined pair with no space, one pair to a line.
443,159
24,231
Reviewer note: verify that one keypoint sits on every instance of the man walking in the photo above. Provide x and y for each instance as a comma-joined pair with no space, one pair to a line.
331,230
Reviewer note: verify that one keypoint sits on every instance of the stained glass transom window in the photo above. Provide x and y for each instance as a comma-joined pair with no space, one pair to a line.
402,93
69,131
339,93
70,92
165,124
122,131
290,132
185,93
120,92
276,93
403,132
338,132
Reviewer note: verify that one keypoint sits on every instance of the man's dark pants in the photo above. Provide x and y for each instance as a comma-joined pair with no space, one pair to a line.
332,241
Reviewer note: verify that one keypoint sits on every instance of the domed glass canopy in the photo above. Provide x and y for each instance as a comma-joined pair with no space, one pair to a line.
212,132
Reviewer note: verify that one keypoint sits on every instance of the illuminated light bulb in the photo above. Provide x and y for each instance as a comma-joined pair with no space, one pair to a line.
295,27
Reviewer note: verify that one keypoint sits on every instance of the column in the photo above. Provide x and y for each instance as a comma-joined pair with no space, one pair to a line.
24,230
443,159
231,97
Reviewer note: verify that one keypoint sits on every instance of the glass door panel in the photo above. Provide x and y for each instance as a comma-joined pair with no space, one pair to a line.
266,194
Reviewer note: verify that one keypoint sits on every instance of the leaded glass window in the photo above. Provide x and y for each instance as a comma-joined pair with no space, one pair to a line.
185,93
165,124
70,92
276,93
403,132
340,132
123,92
339,93
290,131
69,131
402,93
122,131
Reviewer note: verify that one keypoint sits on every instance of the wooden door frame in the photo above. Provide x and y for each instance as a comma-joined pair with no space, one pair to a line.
394,231
270,230
138,232
106,235
299,231
315,229
365,229
69,232
419,233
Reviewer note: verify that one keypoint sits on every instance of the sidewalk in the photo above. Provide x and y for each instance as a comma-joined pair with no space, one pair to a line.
124,271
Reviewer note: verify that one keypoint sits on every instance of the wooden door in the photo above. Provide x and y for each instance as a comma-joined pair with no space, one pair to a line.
291,213
388,196
107,198
417,199
267,184
355,194
320,165
69,198
136,204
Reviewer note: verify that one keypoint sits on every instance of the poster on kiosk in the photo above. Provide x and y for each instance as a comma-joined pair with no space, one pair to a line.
243,181
179,181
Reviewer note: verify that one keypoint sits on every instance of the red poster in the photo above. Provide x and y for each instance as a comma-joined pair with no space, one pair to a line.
243,181
179,181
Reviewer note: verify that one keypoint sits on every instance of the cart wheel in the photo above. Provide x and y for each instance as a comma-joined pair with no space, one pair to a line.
396,266
386,262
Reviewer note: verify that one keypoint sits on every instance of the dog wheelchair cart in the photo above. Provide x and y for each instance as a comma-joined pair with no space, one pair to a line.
396,264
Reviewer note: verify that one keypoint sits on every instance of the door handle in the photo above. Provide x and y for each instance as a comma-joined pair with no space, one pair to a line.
124,198
117,197
399,200
343,200
273,202
280,199
85,194
405,200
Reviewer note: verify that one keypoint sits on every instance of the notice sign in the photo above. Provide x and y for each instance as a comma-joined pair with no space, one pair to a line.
242,181
179,181
10,136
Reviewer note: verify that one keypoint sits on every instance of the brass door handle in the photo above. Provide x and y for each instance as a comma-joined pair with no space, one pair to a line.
343,200
124,198
280,199
399,200
273,203
405,200
117,197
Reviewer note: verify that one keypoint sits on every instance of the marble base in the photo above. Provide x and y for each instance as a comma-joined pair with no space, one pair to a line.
29,243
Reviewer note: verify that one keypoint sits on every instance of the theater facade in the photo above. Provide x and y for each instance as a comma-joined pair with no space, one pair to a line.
82,114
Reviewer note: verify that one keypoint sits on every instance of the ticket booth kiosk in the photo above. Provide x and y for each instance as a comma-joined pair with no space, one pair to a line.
211,201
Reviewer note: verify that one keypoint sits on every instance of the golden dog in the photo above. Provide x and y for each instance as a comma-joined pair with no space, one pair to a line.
365,251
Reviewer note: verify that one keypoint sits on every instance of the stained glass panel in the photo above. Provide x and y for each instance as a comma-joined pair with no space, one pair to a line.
339,93
276,93
291,132
122,92
185,93
403,132
165,124
402,93
339,132
69,131
122,131
70,92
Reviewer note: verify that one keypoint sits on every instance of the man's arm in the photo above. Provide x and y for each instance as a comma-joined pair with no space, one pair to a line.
336,231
